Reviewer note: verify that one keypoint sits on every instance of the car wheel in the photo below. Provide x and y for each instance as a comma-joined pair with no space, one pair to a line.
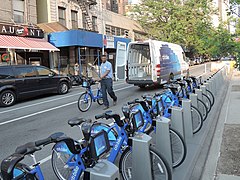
7,98
63,88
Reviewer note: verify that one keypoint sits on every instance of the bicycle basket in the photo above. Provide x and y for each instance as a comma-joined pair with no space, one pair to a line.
85,84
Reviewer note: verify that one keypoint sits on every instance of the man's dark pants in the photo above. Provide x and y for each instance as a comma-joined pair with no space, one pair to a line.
107,86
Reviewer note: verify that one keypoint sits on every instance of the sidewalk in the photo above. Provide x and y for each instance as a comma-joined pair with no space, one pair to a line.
223,162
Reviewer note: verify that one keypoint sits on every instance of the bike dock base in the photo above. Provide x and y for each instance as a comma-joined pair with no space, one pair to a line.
103,170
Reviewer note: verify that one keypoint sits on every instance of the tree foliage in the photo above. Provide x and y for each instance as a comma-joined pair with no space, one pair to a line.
187,23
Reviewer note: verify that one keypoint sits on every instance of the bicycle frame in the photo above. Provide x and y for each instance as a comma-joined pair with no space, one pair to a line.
122,139
90,92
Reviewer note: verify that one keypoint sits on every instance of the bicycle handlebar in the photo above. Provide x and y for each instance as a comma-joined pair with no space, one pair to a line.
108,115
52,138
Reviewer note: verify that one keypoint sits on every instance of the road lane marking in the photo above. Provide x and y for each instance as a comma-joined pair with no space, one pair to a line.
51,109
43,102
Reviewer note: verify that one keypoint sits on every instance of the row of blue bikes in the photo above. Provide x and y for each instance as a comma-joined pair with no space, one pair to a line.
70,158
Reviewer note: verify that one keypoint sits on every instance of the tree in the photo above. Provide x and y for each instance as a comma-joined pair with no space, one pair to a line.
187,23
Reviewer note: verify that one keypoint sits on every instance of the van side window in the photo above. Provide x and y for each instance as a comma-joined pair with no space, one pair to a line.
43,71
6,73
25,72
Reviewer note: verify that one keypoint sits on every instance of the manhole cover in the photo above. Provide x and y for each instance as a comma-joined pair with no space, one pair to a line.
235,87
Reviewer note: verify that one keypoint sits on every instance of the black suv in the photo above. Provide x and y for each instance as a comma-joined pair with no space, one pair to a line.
23,81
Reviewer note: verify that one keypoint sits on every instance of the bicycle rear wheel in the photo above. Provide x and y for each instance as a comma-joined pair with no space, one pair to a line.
202,108
84,102
211,97
197,119
159,166
100,99
207,102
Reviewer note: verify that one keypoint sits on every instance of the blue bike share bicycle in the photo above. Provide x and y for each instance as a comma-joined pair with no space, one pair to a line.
196,84
171,98
85,100
65,162
12,169
150,111
69,161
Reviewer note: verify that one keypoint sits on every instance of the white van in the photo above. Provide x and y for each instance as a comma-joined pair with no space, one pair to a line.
151,62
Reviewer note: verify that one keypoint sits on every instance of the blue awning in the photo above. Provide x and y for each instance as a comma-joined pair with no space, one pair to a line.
80,38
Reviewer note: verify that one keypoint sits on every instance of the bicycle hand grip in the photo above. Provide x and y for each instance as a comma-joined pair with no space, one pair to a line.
100,116
43,142
133,102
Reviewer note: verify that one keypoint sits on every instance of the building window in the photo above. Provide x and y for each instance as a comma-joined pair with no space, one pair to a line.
94,23
118,33
74,16
84,22
18,11
62,15
113,30
108,29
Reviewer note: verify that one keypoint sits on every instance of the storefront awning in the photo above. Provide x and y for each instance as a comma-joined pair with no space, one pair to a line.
16,42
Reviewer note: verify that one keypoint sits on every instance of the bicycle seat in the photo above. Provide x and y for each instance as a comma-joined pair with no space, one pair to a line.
126,111
28,148
8,164
76,121
145,96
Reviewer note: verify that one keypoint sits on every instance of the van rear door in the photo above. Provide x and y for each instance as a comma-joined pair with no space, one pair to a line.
120,66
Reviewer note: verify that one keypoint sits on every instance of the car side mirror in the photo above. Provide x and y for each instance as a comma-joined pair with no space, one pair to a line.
51,74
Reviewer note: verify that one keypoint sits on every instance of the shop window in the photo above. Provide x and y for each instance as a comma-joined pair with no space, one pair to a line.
74,16
18,11
62,15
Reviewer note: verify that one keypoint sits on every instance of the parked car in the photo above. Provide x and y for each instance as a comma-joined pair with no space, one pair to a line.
23,81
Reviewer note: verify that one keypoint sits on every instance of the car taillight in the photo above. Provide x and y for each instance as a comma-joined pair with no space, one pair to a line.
158,69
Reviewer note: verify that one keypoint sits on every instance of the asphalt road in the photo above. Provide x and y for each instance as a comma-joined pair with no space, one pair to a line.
34,119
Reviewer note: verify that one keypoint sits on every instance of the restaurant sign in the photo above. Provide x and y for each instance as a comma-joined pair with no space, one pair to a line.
21,31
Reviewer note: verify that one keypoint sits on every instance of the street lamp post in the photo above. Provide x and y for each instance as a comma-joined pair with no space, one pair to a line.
103,29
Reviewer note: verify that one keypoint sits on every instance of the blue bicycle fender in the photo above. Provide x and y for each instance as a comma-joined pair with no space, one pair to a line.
62,147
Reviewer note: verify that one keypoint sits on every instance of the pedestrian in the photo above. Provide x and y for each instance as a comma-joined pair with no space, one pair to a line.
106,75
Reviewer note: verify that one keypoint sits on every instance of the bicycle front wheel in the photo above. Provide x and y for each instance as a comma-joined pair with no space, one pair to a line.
178,146
211,97
84,102
207,102
59,164
202,108
197,119
159,166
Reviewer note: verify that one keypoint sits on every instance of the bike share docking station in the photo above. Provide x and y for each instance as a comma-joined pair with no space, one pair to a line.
141,162
103,170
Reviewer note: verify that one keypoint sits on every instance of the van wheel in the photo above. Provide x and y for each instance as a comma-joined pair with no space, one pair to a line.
7,98
142,86
63,88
